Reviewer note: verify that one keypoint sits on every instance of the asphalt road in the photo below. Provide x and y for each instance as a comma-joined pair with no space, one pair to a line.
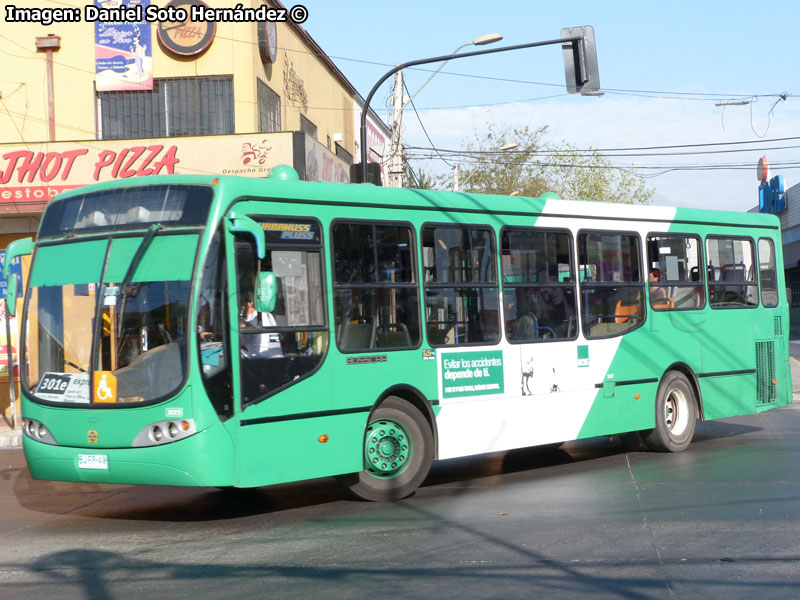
794,348
590,520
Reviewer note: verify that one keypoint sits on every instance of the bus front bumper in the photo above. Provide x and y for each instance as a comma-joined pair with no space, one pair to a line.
204,459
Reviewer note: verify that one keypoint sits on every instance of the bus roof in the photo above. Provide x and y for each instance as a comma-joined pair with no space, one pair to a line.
399,198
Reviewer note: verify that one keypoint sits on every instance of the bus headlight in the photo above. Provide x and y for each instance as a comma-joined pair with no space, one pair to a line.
36,430
164,432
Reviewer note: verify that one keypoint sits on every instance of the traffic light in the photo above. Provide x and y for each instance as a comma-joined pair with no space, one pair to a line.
580,60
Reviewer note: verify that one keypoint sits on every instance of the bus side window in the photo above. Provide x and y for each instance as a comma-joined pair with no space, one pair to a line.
673,272
538,285
376,293
461,294
282,346
212,329
767,272
732,281
613,296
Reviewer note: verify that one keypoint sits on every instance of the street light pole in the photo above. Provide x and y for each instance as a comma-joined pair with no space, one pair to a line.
396,169
584,77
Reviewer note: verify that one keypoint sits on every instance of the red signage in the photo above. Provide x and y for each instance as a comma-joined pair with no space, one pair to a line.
54,168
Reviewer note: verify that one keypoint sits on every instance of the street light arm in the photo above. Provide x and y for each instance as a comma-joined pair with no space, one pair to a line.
441,66
425,61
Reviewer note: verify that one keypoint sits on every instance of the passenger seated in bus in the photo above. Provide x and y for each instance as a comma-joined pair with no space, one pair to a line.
258,345
558,313
659,298
656,290
489,324
522,309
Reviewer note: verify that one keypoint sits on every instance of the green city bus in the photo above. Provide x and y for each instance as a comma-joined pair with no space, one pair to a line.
240,332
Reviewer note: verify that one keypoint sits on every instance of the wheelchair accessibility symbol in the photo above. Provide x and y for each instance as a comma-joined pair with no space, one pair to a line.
105,387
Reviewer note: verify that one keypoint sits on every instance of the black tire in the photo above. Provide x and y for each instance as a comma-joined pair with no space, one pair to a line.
676,415
377,486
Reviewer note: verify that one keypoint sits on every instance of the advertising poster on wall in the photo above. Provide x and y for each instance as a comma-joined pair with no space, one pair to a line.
16,267
123,49
318,163
4,342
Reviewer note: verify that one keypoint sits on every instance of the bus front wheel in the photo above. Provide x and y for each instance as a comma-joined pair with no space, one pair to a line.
676,415
398,452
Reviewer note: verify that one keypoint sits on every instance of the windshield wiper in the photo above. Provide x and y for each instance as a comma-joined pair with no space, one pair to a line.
137,258
74,366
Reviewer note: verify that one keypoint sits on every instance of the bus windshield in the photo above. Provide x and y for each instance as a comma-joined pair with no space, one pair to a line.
141,340
127,328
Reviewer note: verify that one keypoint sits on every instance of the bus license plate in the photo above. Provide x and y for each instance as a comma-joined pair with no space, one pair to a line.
92,461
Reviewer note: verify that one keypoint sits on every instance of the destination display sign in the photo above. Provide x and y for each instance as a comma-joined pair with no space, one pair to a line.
64,387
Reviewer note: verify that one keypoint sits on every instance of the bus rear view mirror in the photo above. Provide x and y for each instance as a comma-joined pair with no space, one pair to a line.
266,292
15,249
243,224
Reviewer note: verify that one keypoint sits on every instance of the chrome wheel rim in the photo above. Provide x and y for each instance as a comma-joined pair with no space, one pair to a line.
676,412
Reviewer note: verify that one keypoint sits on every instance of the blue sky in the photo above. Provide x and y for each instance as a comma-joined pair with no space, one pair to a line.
728,50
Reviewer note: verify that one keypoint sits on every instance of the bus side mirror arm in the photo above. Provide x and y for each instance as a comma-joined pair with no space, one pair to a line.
15,249
243,224
11,294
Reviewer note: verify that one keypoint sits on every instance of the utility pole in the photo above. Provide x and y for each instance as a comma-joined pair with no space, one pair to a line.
455,178
580,68
49,44
396,167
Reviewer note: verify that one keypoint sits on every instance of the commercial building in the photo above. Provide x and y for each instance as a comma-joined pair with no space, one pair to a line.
86,96
790,234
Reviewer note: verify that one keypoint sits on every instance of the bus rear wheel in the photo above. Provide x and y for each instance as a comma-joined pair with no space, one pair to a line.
398,452
676,415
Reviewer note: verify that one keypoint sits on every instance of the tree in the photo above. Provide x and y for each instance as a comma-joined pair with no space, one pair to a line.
533,168
497,171
427,181
589,175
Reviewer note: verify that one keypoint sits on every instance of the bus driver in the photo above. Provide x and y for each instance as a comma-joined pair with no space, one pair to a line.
259,345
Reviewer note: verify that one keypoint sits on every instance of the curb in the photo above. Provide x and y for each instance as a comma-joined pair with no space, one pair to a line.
10,440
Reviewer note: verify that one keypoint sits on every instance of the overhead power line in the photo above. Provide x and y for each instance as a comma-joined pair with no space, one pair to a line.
662,94
638,151
635,168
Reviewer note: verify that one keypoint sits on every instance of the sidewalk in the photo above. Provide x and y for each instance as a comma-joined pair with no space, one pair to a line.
10,438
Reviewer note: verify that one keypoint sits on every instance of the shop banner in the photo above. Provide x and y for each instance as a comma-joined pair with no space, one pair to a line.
37,172
123,50
323,165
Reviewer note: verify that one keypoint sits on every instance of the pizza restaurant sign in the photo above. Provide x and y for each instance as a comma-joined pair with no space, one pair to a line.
37,172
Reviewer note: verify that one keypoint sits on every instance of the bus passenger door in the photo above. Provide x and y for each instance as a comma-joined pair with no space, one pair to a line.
282,385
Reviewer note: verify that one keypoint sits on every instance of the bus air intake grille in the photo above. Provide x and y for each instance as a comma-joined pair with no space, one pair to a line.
765,373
